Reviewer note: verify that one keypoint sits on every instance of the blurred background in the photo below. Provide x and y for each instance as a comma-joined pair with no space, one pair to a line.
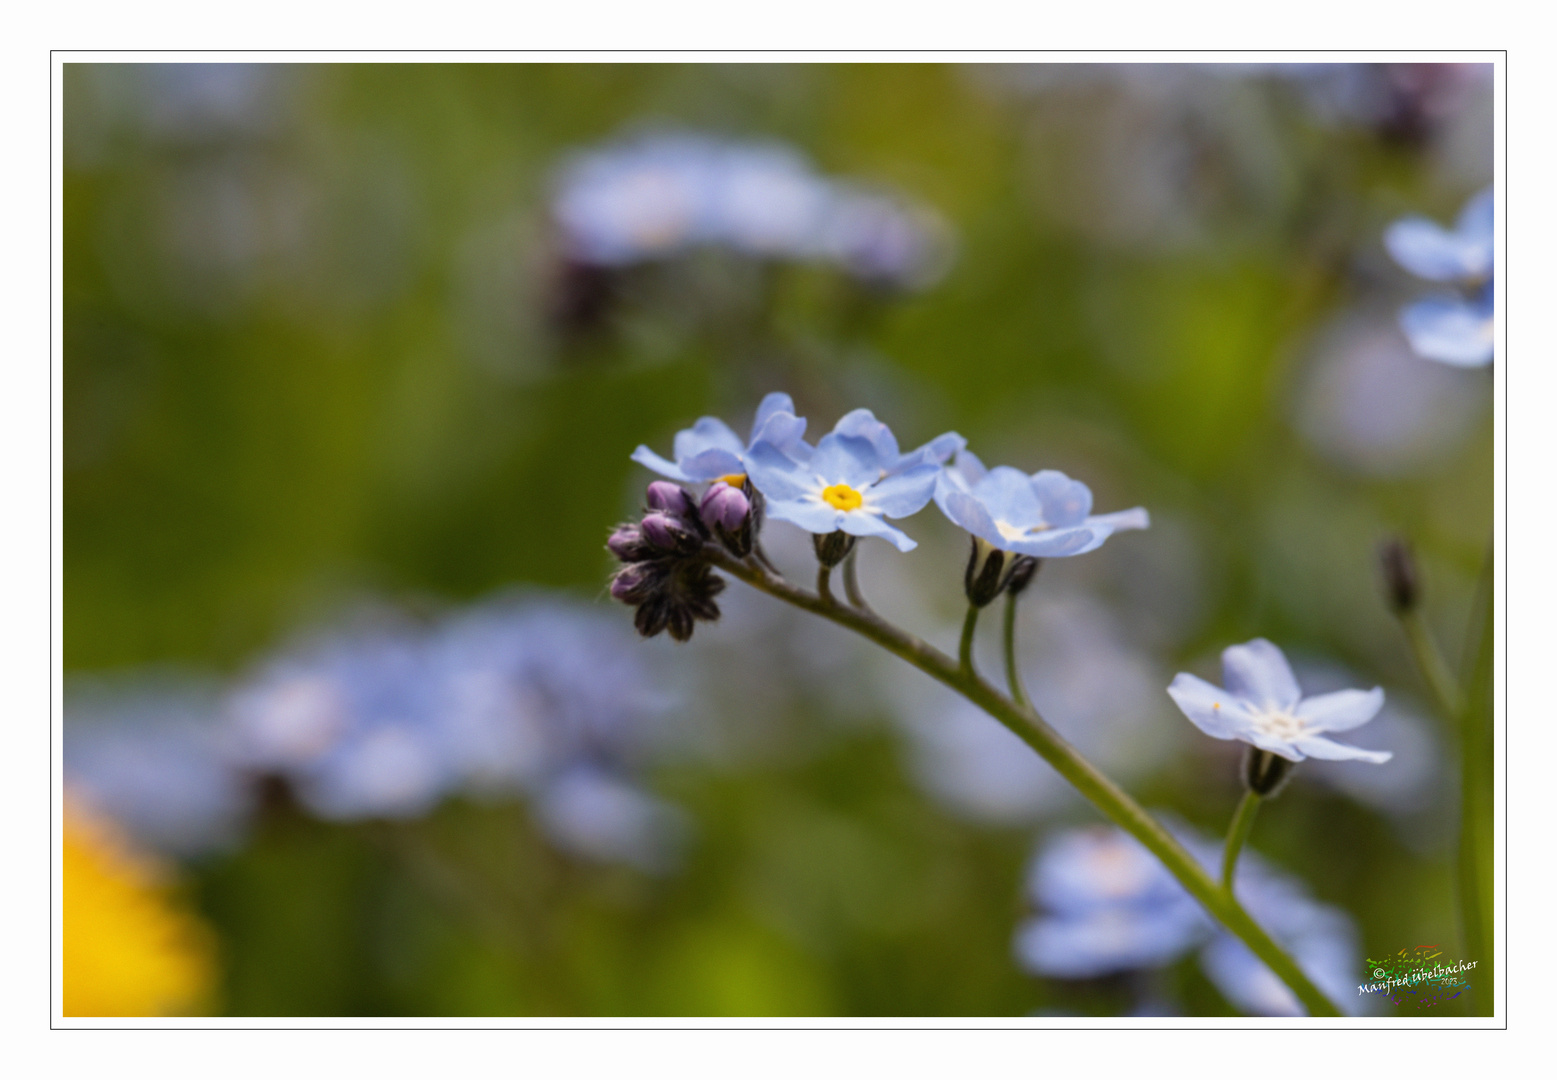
354,359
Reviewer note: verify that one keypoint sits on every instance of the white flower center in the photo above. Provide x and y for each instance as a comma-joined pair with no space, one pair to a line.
1282,725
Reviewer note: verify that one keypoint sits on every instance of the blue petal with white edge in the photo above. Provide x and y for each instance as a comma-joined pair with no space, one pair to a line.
1258,672
812,514
1065,501
1316,746
1134,518
846,459
1008,495
709,433
1449,330
1058,543
1430,251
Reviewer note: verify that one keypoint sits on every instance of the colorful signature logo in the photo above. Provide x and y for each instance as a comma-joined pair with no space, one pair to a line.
1420,975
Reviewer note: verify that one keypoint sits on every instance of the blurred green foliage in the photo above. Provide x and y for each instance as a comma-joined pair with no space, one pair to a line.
305,361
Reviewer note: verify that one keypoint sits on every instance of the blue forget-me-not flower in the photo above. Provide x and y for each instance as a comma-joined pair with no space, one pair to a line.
1107,905
709,450
849,483
1263,706
1452,328
1045,515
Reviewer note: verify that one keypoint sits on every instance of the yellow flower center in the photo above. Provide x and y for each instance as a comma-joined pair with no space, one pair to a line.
735,479
842,497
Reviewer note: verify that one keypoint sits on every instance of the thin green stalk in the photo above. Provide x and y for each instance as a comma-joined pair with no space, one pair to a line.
1031,728
965,647
851,580
823,588
1237,834
1477,814
1430,661
1013,673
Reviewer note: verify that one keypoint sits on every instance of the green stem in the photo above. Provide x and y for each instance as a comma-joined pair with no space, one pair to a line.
1477,815
1031,728
1237,833
965,647
1013,675
851,580
1435,670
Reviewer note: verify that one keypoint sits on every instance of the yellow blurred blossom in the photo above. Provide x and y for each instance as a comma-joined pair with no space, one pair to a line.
129,948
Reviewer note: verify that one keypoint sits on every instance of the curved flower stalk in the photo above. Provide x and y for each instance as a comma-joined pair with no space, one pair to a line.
814,493
1453,328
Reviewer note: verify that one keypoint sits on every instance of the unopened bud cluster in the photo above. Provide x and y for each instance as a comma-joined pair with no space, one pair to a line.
665,571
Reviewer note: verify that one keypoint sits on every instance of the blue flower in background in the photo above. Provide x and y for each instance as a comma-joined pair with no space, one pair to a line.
1451,328
709,450
1263,706
1045,515
1110,907
845,484
1107,905
655,196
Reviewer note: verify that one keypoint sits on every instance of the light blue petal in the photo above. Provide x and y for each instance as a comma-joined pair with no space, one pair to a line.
1008,495
712,464
648,458
862,424
903,493
709,433
1476,221
770,406
1209,708
1430,251
783,430
1258,672
860,523
970,468
811,514
1059,543
1134,518
778,476
967,512
948,483
1449,330
934,452
846,459
1342,710
1316,746
1065,501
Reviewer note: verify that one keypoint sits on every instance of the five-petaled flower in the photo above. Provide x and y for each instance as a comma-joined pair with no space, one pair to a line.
1045,515
1451,328
709,450
845,484
1263,707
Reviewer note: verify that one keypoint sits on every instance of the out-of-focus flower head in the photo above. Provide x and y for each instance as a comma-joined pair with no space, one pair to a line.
1108,905
1111,906
128,948
602,816
709,450
1263,706
654,196
846,485
351,721
150,754
1451,328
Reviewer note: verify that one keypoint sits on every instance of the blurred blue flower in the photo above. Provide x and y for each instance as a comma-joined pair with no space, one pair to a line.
1045,515
654,196
151,755
601,816
1454,329
1263,706
1108,905
709,450
350,720
845,484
